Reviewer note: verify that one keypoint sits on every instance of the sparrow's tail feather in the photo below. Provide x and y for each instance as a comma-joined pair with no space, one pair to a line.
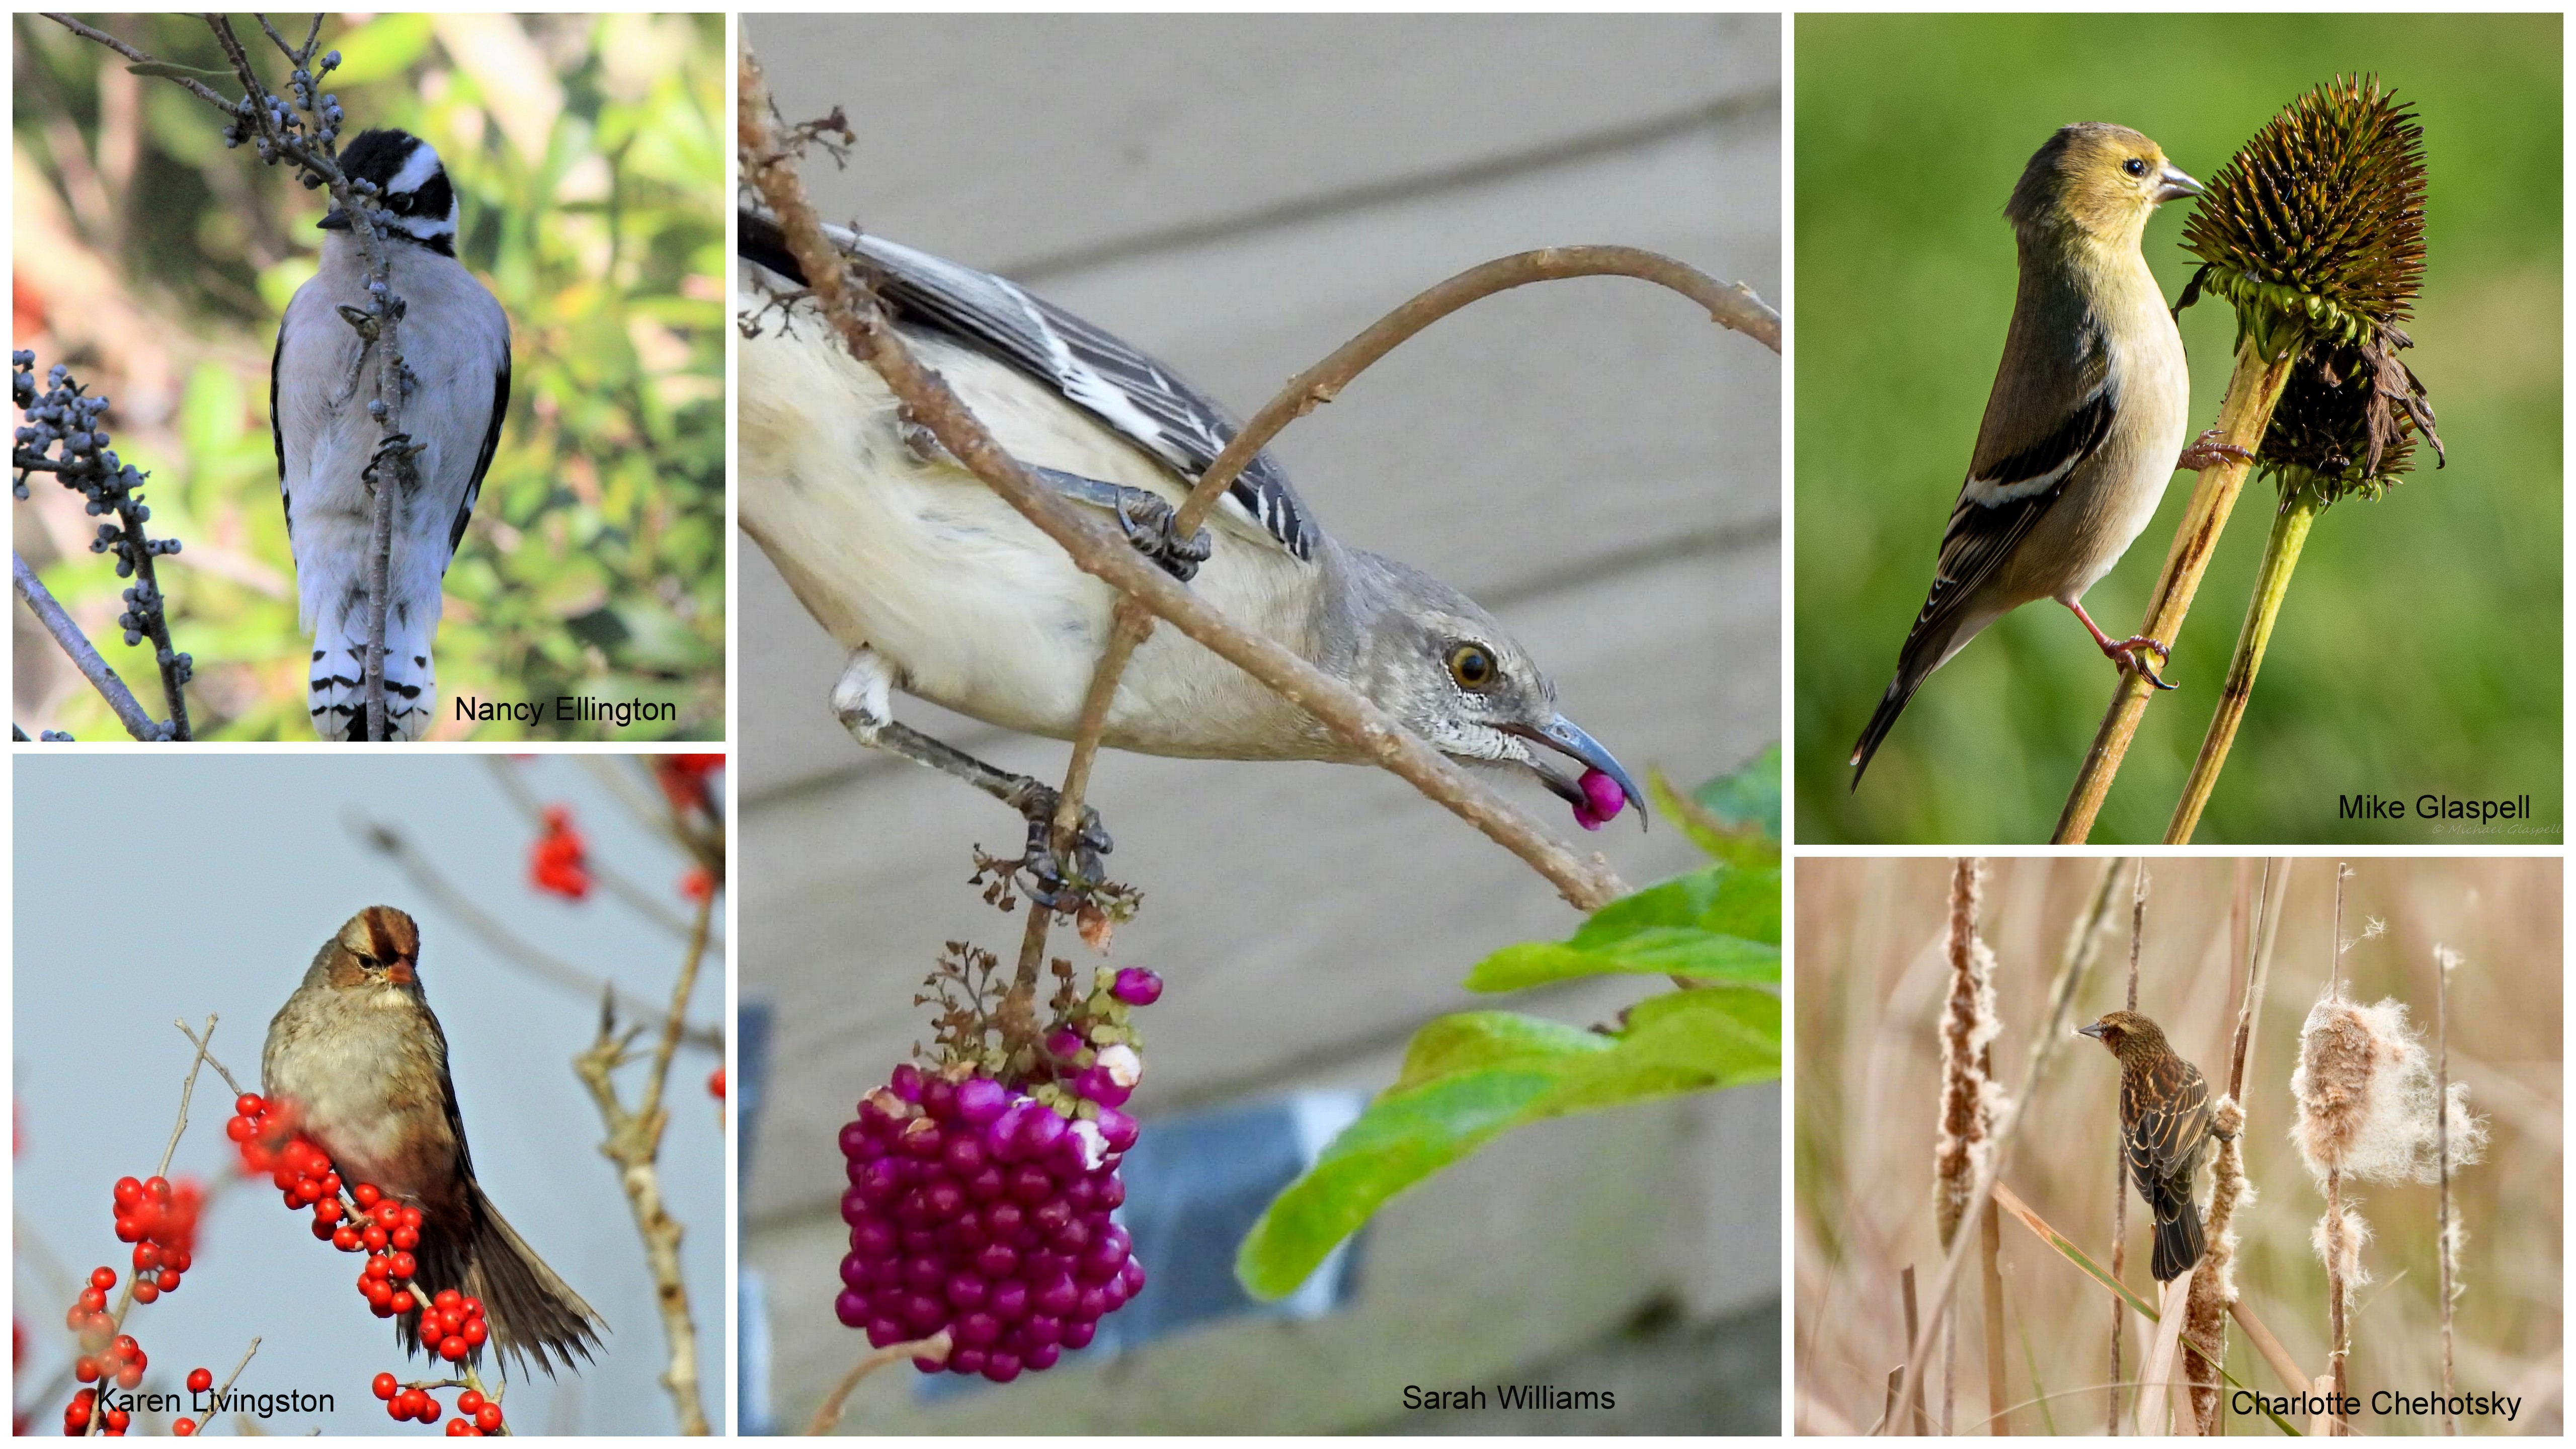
2178,1241
1924,651
339,698
530,1310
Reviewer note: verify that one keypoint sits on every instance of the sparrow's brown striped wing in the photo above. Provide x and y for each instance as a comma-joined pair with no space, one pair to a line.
2166,1109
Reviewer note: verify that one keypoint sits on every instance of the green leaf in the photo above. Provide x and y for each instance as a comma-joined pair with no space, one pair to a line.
1750,796
1468,1079
1715,924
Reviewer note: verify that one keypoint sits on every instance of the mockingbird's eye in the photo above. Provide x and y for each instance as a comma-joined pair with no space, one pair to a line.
1472,667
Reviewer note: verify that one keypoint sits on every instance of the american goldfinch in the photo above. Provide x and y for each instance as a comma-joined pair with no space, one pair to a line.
2087,416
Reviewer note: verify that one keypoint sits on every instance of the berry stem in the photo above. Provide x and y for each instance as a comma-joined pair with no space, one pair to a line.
827,1415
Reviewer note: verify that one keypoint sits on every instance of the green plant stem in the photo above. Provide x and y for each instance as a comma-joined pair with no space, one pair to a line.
2271,589
2252,392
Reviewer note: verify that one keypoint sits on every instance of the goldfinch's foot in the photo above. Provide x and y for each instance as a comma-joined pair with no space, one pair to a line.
2208,452
2131,653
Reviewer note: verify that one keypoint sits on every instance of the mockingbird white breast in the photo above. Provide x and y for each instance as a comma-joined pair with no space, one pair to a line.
939,588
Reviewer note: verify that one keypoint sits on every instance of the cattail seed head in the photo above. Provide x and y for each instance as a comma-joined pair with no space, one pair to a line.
2366,1096
1972,1102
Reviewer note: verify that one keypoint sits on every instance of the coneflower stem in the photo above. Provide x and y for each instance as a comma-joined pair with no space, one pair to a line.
2290,526
2252,392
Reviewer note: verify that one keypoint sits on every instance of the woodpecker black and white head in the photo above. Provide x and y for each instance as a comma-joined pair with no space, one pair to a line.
411,184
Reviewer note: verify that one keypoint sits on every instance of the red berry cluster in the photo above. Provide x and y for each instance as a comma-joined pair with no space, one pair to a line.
362,1220
558,862
160,1220
85,1403
684,780
475,1414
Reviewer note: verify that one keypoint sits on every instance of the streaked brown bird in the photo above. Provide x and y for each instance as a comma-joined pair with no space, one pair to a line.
2164,1130
359,1058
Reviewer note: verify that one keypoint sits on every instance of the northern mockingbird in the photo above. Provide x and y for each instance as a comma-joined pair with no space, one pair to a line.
939,588
456,344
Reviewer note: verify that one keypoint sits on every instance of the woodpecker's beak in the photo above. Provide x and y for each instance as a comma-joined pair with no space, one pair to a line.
2172,184
1567,738
2094,1031
336,219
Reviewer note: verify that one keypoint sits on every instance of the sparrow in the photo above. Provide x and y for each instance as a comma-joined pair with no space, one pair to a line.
938,587
358,1058
2085,424
455,341
2164,1131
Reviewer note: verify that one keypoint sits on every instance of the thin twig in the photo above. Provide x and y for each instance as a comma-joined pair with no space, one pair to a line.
205,1049
2120,1157
634,1143
2074,965
1372,734
589,984
84,656
227,1385
828,1413
2442,1160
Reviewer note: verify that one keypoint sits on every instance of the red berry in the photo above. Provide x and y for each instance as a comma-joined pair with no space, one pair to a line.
129,1376
92,1300
345,1238
399,1406
129,1191
459,1428
126,1347
169,1282
453,1349
375,1237
469,1402
85,1369
449,1298
117,1419
404,1265
406,1237
474,1333
378,1266
249,1105
128,1230
488,1418
401,1303
411,1218
331,1184
328,1211
157,1188
177,1260
386,1386
147,1256
145,1290
200,1380
183,1427
102,1279
473,1307
366,1194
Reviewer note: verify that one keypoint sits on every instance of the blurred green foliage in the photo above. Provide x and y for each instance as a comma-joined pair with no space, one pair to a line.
2420,648
588,154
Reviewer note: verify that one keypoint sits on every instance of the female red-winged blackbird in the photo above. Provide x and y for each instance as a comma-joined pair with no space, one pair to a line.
2164,1129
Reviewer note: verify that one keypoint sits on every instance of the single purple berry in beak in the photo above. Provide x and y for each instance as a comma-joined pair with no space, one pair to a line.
1603,798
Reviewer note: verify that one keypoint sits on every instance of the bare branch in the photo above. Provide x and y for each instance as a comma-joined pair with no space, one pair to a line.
84,656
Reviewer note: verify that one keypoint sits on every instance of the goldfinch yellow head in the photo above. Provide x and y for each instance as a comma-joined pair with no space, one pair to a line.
2101,181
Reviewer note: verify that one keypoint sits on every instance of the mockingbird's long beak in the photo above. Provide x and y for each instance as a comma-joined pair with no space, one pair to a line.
1567,738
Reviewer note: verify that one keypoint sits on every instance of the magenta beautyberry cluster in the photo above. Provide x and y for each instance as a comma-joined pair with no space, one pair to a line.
986,1209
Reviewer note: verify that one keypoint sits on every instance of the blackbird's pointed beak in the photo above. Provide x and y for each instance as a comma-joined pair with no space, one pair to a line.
1567,738
2172,184
2094,1031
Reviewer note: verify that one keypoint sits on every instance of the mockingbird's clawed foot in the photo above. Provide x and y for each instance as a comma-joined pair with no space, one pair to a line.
1148,523
1049,884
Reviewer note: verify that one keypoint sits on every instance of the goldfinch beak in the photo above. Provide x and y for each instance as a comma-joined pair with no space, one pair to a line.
2172,184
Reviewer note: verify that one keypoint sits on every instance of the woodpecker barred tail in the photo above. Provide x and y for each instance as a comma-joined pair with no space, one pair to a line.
338,697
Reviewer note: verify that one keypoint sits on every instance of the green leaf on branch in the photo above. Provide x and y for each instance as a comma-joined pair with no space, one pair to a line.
1468,1079
1721,923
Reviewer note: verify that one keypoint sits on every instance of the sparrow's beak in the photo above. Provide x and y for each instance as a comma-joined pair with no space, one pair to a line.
400,972
336,219
2094,1031
1567,738
2172,184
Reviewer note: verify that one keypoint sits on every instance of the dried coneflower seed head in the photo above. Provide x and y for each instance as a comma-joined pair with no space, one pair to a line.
2315,232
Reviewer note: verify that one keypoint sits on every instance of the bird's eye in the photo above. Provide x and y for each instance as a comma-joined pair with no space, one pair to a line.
2134,166
1472,667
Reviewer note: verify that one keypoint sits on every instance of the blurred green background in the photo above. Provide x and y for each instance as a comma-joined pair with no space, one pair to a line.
2420,647
588,154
